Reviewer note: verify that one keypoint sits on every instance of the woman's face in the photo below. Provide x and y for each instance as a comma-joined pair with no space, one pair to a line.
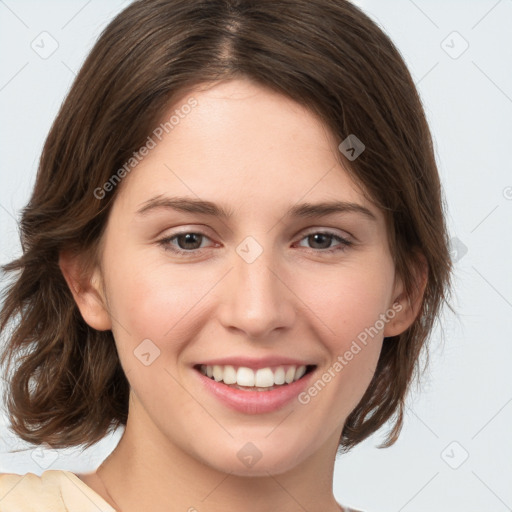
275,285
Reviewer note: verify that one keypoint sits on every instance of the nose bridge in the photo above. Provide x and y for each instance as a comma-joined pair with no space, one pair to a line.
258,302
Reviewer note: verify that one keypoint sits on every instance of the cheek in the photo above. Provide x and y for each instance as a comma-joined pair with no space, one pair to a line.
154,301
347,307
348,300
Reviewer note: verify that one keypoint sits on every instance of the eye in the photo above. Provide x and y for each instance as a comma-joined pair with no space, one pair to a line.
191,242
184,243
321,241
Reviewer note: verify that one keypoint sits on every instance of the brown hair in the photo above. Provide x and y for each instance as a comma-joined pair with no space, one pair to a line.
67,386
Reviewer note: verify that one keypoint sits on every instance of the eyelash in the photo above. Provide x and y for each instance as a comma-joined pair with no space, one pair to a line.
344,243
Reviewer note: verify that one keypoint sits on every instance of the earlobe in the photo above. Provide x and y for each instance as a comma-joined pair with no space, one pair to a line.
86,288
407,307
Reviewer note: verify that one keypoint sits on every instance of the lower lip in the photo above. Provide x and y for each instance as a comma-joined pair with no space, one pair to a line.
255,402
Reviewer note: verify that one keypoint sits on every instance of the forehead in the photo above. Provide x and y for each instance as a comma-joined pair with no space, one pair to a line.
245,146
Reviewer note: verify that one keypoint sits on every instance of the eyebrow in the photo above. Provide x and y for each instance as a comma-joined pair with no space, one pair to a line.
304,210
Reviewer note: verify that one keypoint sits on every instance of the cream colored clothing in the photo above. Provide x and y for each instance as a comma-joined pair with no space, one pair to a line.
53,491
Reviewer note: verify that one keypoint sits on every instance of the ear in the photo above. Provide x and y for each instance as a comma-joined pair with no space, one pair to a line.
406,307
87,289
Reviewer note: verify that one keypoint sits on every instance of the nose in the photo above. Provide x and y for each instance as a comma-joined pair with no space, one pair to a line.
257,300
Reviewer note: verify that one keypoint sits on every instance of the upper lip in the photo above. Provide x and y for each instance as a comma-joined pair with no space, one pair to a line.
255,363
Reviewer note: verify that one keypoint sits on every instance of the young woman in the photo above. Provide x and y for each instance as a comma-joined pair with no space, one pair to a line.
235,248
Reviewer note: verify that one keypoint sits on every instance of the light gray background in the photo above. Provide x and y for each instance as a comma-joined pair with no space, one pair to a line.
455,451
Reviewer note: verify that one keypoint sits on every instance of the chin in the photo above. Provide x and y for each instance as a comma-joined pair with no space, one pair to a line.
254,458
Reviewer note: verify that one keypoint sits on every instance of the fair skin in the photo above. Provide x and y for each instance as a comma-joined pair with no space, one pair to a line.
257,154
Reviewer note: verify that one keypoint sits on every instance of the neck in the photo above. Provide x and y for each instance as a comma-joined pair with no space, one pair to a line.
147,472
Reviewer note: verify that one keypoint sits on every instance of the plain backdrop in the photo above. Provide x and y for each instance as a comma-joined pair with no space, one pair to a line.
455,450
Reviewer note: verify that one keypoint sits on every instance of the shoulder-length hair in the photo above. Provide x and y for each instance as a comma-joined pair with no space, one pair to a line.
66,385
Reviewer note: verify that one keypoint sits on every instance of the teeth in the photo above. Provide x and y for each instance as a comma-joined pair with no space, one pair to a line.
246,377
218,373
279,376
264,378
229,376
290,374
301,370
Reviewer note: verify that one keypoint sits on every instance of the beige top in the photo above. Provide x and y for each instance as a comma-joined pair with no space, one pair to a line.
55,491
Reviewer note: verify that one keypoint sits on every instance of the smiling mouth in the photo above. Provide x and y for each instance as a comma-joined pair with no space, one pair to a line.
262,379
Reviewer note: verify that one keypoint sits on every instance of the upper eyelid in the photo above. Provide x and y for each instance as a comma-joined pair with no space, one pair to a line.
305,231
331,231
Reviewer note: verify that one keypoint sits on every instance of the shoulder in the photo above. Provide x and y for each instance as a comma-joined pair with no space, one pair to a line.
54,490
